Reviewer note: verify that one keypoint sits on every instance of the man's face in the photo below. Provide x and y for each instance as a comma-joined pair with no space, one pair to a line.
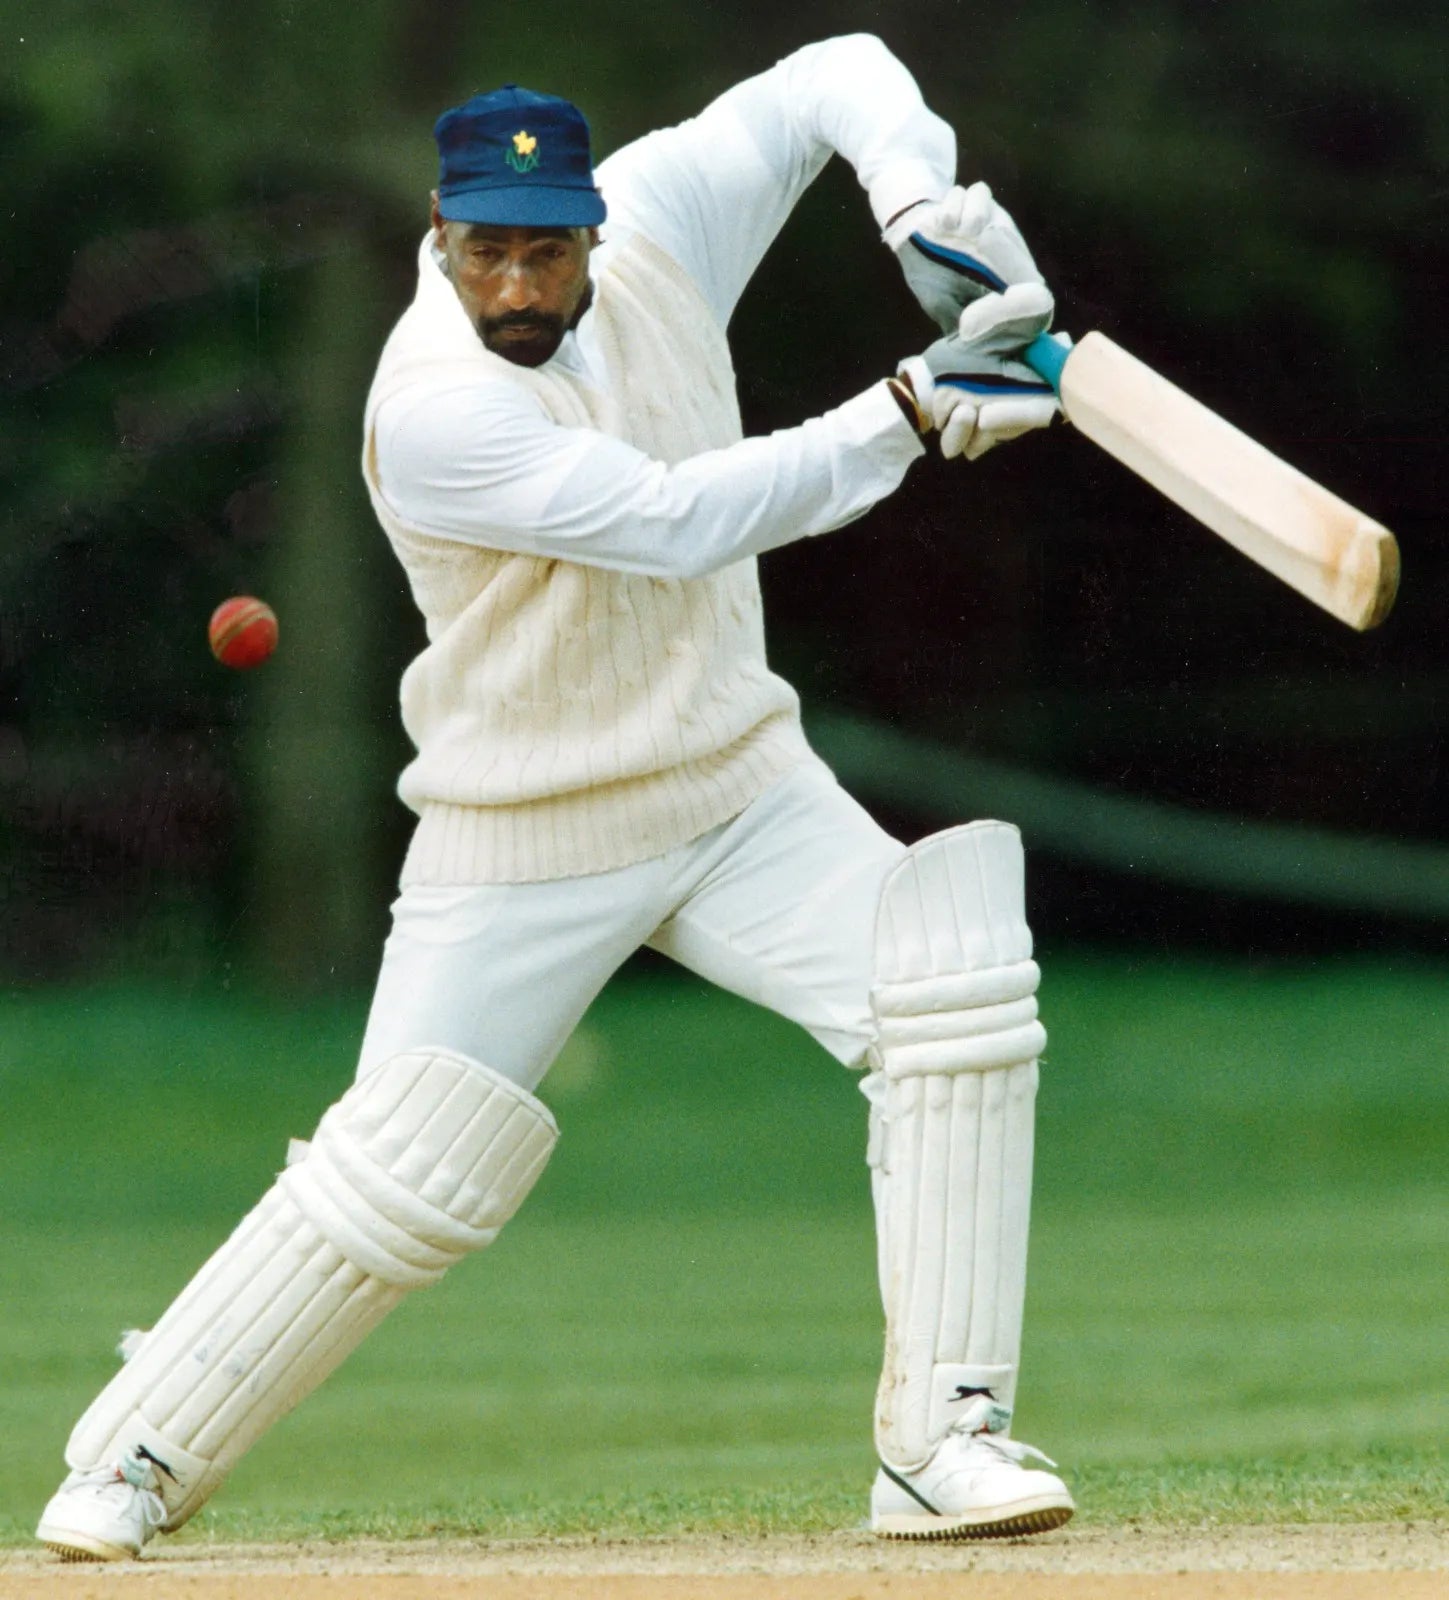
523,288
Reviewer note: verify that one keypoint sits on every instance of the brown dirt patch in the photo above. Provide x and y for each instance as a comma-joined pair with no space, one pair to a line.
1367,1562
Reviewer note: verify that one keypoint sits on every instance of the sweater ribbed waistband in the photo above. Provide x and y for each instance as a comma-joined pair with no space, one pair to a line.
600,829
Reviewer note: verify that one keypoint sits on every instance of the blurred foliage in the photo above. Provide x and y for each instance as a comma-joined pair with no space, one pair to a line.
212,216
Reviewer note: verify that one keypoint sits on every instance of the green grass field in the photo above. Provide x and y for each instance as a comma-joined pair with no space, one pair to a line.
1238,1305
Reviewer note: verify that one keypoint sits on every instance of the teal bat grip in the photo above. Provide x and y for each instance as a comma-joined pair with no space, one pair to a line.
1046,358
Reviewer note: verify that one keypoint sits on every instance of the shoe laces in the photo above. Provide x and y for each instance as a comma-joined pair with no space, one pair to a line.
983,1421
131,1473
1011,1449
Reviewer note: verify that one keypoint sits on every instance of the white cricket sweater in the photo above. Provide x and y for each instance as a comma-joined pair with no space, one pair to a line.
579,536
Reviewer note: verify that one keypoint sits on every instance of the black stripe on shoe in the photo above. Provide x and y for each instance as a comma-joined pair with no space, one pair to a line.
901,1483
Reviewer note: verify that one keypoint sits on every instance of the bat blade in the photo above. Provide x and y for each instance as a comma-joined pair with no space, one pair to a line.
1316,543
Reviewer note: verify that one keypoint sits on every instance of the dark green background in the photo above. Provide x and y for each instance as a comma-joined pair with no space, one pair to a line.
212,213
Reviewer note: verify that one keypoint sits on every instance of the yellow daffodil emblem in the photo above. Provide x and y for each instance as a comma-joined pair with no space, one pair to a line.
523,157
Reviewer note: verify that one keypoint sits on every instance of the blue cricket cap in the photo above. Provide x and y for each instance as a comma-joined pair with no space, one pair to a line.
517,159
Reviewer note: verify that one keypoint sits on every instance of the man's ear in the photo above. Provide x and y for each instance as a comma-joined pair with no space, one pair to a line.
593,238
435,215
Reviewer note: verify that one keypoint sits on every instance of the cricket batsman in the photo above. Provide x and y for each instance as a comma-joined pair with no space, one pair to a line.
605,760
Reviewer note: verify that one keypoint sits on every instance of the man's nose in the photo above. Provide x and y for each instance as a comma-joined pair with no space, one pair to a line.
517,290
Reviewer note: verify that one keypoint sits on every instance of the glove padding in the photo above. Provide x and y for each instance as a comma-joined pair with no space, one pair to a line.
956,249
974,386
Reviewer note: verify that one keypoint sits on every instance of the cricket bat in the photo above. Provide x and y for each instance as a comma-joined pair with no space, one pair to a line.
1315,542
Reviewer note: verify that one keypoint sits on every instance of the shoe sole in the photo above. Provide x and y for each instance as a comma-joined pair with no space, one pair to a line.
72,1546
1016,1526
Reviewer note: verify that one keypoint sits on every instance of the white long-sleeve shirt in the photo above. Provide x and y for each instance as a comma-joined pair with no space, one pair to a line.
481,463
579,536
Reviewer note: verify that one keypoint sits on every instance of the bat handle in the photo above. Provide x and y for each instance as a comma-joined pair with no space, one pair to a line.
1046,358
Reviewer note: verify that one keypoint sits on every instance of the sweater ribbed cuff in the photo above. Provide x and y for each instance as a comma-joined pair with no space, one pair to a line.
904,183
874,422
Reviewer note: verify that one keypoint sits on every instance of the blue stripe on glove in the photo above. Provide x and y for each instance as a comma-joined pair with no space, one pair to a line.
955,261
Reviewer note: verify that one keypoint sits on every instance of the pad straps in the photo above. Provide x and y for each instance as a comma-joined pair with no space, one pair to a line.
952,1126
418,1164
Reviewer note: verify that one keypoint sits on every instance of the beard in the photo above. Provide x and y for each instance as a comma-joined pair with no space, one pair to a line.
530,338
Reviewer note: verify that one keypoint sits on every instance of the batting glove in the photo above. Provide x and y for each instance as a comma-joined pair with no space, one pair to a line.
956,249
973,386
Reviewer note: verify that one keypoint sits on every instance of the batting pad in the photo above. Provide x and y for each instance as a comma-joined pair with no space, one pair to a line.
416,1166
952,1113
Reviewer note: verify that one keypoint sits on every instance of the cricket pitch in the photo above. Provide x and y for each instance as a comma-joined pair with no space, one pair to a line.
1407,1561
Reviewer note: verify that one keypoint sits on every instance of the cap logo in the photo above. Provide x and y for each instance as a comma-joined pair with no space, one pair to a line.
511,158
523,157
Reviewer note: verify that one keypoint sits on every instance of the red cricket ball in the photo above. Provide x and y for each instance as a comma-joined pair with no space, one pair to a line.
243,631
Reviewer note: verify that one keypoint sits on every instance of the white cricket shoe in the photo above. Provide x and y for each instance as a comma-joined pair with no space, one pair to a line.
974,1487
105,1513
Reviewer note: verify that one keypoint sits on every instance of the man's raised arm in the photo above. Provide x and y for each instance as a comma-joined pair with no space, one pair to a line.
715,191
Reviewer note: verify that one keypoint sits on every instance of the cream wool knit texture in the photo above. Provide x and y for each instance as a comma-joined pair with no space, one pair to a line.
569,719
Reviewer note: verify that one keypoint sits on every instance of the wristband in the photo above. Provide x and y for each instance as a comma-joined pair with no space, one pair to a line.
905,398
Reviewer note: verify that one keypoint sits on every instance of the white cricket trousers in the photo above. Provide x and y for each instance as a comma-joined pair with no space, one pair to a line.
777,905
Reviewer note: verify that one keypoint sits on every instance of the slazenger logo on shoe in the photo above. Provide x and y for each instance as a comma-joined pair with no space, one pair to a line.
995,1418
156,1462
965,1392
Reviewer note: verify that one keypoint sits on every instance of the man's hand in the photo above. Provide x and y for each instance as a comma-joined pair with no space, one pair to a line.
956,249
973,385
